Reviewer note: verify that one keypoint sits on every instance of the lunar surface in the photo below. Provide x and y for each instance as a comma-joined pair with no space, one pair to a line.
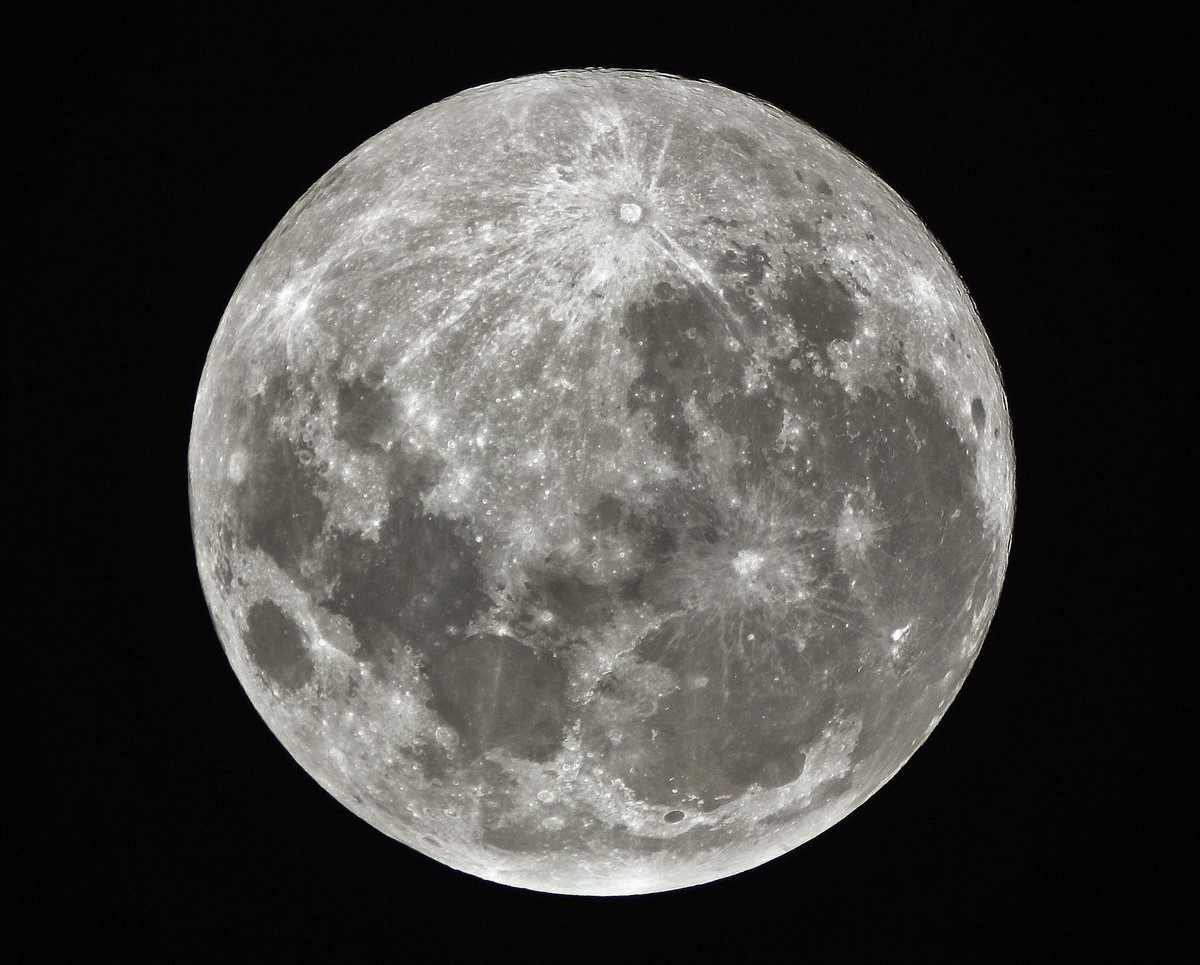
601,482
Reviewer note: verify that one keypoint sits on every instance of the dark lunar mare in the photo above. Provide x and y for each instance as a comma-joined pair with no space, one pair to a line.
277,646
498,693
419,585
277,505
765,703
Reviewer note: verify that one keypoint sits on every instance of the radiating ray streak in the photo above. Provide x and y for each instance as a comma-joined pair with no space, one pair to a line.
508,238
480,289
656,173
819,605
568,326
566,199
550,187
716,609
458,247
614,117
707,283
600,116
564,339
881,529
869,587
587,320
878,550
868,567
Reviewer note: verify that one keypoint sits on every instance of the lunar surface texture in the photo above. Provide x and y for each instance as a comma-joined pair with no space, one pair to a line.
601,482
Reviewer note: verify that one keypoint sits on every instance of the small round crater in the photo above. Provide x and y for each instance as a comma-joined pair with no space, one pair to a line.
839,351
631,213
673,817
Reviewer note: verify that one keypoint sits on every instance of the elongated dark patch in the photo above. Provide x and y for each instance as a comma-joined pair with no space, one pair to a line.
277,647
277,502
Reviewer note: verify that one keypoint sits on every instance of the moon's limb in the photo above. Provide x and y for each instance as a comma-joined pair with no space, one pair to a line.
601,482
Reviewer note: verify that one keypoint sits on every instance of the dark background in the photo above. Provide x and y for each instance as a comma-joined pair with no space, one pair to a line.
1052,811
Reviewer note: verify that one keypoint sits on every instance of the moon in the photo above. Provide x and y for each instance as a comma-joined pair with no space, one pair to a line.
601,482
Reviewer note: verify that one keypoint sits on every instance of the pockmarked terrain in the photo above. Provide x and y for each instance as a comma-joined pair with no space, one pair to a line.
601,482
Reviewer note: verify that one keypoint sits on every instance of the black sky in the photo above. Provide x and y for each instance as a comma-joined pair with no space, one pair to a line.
1052,810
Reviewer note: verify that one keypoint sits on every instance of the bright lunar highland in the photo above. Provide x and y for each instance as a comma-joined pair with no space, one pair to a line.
601,482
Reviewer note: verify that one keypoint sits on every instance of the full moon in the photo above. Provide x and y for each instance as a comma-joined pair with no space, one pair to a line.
601,482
